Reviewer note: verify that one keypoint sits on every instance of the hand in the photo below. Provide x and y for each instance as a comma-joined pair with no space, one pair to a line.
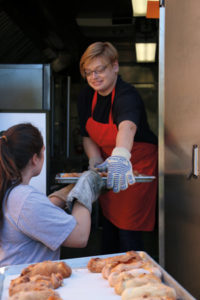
94,161
87,190
119,168
61,194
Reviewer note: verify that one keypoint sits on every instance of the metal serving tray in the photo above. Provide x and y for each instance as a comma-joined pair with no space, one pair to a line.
61,179
77,263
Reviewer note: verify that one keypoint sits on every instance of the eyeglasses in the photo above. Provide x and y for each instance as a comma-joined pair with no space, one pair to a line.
99,70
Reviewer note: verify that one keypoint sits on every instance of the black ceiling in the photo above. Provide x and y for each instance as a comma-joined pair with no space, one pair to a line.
59,31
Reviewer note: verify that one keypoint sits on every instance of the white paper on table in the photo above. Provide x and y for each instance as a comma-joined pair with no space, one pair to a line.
82,284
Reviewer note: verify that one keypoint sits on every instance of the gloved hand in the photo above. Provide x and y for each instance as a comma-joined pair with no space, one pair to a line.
87,190
119,168
94,161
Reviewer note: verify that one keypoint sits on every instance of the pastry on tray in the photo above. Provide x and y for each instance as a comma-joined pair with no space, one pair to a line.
133,276
46,294
96,265
47,268
38,281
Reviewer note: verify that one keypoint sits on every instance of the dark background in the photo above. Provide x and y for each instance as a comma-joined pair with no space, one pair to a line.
57,33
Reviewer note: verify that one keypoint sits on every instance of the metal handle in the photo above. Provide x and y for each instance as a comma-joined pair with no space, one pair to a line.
195,161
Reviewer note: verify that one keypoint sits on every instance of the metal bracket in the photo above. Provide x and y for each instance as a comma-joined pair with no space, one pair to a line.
162,3
195,162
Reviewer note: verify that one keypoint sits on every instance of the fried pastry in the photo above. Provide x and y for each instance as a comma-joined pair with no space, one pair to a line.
135,281
107,269
96,265
114,277
37,282
46,268
27,287
46,294
75,174
115,266
149,290
53,281
121,267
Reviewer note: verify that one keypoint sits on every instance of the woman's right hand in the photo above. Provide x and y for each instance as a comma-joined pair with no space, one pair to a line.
94,161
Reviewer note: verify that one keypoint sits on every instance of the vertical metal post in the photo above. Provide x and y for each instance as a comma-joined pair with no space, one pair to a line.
161,199
46,105
52,117
68,117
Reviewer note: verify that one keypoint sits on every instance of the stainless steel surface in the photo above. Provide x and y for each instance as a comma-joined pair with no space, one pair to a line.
161,90
25,87
182,293
60,179
182,111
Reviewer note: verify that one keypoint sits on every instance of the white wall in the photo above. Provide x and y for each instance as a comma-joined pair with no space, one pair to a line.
38,119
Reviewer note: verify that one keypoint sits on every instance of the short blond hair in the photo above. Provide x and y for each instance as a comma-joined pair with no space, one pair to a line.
99,49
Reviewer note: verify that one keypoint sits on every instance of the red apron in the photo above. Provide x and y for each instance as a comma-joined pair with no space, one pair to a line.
134,208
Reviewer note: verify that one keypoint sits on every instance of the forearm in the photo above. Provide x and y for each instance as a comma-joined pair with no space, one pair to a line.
59,197
79,236
118,165
91,148
57,201
125,135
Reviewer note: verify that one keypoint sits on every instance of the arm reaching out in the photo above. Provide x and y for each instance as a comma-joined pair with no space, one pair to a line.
118,165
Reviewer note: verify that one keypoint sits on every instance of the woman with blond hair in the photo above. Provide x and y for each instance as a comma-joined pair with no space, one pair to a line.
117,139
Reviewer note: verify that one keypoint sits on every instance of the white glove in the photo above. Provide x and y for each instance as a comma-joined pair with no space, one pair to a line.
119,168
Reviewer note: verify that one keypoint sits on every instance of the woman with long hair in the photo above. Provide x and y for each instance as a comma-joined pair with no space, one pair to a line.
33,226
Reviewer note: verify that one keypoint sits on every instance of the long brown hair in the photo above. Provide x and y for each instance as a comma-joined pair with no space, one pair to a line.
18,144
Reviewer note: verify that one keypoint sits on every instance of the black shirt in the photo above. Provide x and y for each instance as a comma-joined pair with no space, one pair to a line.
127,105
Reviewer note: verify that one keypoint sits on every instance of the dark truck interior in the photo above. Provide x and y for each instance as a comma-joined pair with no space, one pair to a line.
57,33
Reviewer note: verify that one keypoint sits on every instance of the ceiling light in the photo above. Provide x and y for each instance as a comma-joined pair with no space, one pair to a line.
139,8
145,52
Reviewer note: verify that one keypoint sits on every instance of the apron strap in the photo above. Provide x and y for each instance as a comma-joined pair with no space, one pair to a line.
94,101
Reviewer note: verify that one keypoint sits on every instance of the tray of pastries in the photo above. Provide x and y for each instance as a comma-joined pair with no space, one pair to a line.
124,276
